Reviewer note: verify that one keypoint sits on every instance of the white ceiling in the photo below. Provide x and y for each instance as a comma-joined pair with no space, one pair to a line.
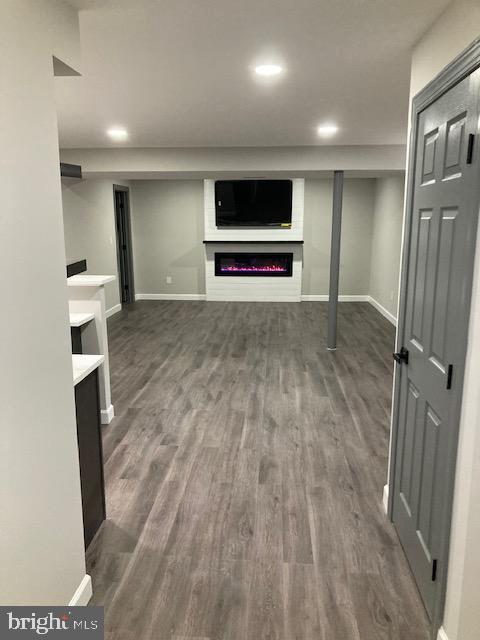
177,73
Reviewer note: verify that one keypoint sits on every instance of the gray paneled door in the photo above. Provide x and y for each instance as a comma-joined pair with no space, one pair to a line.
437,301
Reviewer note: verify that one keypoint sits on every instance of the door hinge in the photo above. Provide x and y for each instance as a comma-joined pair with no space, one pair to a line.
471,143
449,376
125,287
401,356
434,570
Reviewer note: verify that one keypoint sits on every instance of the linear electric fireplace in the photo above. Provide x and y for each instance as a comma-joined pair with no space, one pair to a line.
254,264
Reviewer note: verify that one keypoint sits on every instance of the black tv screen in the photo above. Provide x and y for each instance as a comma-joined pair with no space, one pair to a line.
253,203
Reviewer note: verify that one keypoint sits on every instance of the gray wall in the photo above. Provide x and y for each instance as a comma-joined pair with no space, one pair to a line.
167,218
89,226
358,198
168,229
386,241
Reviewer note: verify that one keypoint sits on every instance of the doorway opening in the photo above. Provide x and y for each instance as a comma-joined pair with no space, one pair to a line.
121,197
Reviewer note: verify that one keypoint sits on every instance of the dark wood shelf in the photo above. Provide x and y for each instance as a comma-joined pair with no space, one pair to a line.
70,171
253,242
74,268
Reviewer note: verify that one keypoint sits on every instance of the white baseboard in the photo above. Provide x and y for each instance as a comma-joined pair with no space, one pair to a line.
113,310
83,594
247,298
351,298
107,415
385,498
389,316
341,298
442,634
170,296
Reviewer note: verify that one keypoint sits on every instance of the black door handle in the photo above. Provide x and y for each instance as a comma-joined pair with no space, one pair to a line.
470,146
401,356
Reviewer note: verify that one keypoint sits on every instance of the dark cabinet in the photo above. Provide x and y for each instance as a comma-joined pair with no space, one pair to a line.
90,454
76,335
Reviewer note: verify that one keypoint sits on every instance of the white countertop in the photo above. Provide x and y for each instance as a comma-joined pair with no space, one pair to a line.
84,364
89,281
78,319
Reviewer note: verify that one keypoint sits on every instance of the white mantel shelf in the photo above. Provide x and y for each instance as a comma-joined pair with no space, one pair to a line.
83,365
79,319
89,281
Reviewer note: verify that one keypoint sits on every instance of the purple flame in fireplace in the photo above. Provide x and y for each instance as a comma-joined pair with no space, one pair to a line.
253,264
253,268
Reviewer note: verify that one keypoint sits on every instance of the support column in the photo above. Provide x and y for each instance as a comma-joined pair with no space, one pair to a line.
335,259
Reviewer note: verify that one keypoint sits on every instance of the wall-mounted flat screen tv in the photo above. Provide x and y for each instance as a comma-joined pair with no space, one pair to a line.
253,203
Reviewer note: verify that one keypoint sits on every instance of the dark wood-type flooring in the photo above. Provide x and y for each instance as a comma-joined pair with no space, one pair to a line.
244,476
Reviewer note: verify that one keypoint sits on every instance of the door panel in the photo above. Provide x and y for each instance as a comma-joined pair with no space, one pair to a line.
455,146
429,154
423,244
439,346
437,297
411,430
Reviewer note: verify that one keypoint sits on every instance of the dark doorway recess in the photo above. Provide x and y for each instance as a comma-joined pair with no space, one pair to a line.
254,264
121,197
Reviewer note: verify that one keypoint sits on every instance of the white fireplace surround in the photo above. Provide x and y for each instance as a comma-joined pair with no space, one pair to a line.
254,288
241,240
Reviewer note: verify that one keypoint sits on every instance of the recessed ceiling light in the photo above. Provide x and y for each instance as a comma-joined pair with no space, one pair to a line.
268,69
118,133
327,130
